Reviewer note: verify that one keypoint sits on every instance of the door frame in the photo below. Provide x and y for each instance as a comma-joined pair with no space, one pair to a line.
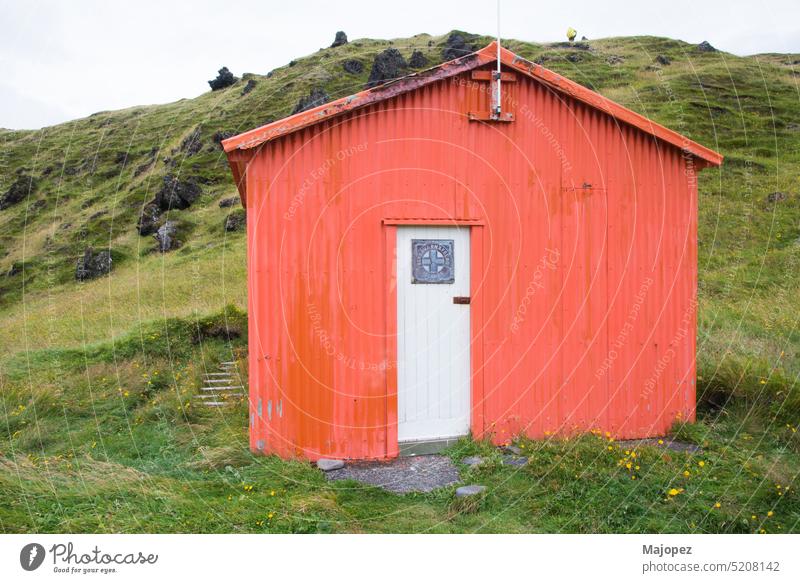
477,393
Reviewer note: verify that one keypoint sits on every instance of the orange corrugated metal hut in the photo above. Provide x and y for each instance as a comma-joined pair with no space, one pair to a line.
423,264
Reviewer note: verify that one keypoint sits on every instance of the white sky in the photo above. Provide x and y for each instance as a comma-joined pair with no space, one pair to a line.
61,60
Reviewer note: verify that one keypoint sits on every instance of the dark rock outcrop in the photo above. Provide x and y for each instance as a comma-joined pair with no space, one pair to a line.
228,202
663,60
176,194
167,237
236,221
224,79
418,60
457,45
353,66
313,99
614,60
249,86
15,269
93,264
149,220
192,144
774,197
388,65
341,39
19,189
222,135
706,47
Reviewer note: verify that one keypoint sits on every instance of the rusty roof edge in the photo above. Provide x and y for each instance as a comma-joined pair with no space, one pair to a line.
256,137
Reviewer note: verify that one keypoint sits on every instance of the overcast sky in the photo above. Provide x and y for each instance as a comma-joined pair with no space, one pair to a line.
66,59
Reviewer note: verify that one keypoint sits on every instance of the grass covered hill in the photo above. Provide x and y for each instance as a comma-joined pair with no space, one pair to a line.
97,427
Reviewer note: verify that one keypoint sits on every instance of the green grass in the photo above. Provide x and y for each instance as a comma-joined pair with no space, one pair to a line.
107,439
96,379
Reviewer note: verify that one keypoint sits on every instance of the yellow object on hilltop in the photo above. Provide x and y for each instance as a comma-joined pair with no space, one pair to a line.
571,34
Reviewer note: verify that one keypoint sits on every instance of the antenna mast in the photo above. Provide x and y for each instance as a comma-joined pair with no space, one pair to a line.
498,106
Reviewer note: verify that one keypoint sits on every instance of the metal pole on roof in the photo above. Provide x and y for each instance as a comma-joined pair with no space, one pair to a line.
499,107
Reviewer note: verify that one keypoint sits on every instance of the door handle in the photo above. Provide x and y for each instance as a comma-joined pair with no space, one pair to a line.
461,299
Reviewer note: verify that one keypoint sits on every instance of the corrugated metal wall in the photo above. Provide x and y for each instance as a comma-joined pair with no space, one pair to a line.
583,300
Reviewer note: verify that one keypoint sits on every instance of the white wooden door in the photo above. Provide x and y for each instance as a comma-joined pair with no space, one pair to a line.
433,344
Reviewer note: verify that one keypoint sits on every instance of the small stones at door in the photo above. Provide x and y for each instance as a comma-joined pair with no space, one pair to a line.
327,465
472,461
512,460
471,490
511,449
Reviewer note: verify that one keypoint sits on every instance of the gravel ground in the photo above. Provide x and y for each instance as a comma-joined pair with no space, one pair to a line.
421,473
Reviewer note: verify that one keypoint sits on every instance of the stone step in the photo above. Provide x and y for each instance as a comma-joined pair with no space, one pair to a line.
228,388
217,374
225,380
225,396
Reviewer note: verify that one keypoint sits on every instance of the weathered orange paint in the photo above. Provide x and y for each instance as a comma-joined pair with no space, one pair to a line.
583,220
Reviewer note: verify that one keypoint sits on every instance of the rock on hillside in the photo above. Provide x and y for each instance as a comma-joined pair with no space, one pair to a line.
167,237
93,264
316,97
459,44
20,188
236,221
223,79
177,194
418,60
388,65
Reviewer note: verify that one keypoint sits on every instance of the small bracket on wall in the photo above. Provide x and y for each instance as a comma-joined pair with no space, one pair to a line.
489,116
492,115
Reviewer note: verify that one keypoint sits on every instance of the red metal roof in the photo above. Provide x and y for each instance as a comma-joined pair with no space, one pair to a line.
258,136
